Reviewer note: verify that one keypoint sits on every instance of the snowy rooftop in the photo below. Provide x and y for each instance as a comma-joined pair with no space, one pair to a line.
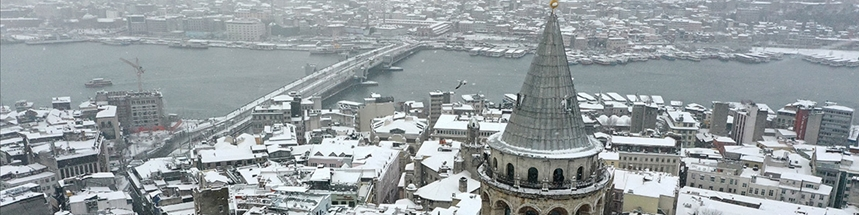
645,183
664,142
452,122
436,154
108,111
609,155
154,165
112,195
15,194
409,124
469,204
230,149
700,201
445,189
20,169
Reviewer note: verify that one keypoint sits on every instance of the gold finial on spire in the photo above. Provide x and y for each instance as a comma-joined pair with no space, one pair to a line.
553,4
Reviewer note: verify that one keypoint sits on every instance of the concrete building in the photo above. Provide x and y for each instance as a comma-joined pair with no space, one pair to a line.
767,183
682,124
557,169
92,202
108,122
644,117
399,128
374,107
653,154
137,111
24,199
719,119
61,103
212,196
838,170
38,174
136,24
701,201
749,123
642,192
245,29
456,126
835,125
437,99
74,157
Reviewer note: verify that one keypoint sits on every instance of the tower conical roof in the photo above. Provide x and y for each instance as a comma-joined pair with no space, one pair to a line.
546,118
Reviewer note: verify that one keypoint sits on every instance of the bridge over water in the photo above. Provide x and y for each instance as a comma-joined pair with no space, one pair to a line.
324,82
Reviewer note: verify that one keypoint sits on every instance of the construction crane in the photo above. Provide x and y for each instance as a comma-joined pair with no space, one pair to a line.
139,70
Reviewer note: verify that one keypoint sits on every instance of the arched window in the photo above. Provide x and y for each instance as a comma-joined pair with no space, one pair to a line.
528,211
532,175
579,173
494,163
510,171
558,211
558,176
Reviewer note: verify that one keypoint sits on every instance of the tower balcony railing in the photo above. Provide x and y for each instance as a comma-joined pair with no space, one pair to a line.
600,176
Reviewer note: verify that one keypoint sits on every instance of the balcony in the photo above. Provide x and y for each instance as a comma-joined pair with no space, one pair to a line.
598,181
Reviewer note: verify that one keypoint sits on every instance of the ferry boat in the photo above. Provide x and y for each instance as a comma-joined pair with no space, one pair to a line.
322,50
115,42
189,45
519,53
693,57
509,53
497,53
746,58
98,82
264,46
724,57
668,56
605,61
474,51
586,61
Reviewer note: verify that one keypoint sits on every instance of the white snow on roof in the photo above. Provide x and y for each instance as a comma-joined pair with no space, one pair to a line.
20,169
609,155
469,204
692,200
214,176
621,140
444,189
113,195
435,154
226,151
108,112
839,107
650,184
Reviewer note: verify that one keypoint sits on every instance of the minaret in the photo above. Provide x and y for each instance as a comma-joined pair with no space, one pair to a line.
545,162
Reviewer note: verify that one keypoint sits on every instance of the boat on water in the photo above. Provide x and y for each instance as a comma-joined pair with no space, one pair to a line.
475,51
98,82
605,61
59,41
395,69
189,45
369,83
668,56
586,61
116,43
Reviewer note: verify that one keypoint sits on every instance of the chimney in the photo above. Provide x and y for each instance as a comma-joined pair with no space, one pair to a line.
463,185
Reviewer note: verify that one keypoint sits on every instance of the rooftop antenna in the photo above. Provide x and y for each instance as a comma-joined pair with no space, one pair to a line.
139,70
